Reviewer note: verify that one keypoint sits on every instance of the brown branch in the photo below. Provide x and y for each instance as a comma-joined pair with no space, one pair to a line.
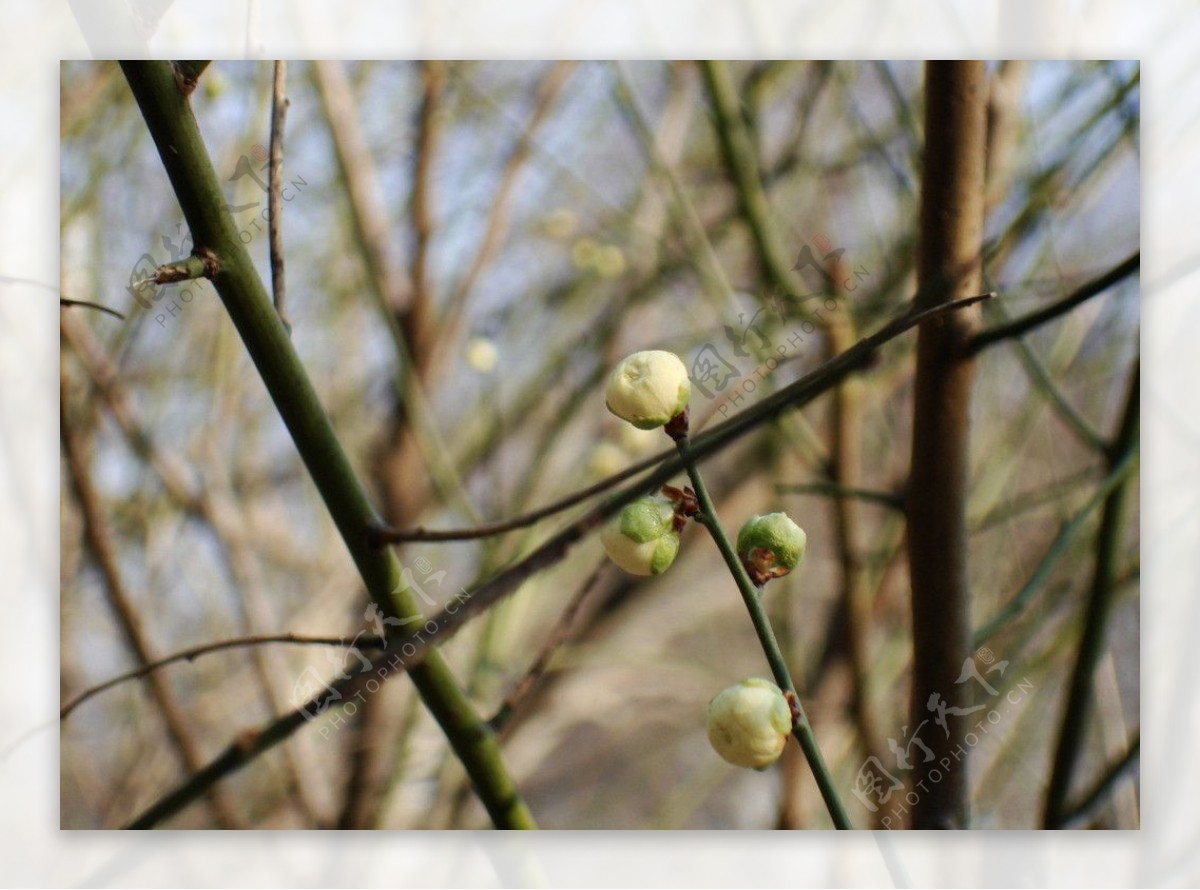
845,470
212,504
191,654
952,196
65,303
98,538
279,107
501,203
419,324
501,721
368,211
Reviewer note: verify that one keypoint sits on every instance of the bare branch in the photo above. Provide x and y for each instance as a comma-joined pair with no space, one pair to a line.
1026,323
99,541
279,107
191,654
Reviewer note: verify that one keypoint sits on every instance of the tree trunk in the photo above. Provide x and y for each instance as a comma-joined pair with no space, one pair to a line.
952,201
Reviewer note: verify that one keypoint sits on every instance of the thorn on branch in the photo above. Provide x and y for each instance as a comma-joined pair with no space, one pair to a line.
187,75
202,264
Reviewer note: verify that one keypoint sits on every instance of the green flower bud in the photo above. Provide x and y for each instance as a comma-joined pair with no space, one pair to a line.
648,388
642,539
748,723
770,546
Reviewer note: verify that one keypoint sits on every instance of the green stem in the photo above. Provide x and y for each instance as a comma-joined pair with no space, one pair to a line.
176,134
751,596
1058,550
1077,709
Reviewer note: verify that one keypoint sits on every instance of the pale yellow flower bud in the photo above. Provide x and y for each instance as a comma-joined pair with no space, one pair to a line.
749,723
648,388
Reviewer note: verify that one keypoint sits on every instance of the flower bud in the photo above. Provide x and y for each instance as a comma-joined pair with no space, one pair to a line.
648,388
748,723
607,459
609,261
770,546
642,539
482,354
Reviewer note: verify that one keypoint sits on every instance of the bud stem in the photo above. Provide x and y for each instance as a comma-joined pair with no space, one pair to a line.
801,728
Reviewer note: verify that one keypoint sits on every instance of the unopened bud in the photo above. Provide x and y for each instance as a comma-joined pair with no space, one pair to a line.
642,539
648,388
748,723
770,546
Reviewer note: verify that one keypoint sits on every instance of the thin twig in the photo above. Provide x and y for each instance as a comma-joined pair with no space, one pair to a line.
279,107
1035,497
882,498
381,535
212,503
195,652
742,165
1020,326
1043,383
98,538
683,210
63,301
369,215
1108,780
501,203
1058,549
501,721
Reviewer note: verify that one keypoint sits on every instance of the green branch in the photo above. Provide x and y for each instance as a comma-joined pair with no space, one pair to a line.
177,137
1058,549
752,597
1104,785
1078,706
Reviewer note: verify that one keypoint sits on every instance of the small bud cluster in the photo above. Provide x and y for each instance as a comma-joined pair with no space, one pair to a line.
748,723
